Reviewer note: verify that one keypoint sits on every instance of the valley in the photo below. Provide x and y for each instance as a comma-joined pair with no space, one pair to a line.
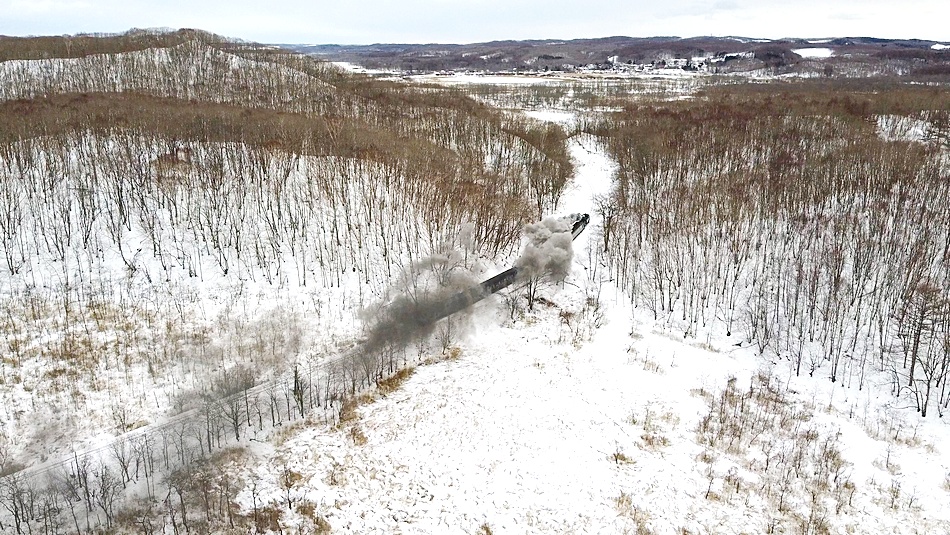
205,243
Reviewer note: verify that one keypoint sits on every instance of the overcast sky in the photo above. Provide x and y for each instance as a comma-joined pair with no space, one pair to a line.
452,21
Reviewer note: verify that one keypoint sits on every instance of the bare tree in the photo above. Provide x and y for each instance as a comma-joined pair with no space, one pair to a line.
922,313
106,492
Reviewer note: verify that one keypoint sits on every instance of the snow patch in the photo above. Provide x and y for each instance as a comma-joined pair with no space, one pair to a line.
488,79
901,128
814,53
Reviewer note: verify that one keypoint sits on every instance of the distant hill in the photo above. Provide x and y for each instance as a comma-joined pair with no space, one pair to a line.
857,56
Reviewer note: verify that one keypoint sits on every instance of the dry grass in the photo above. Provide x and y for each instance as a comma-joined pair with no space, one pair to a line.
319,524
801,470
894,430
451,353
349,415
655,440
626,508
620,457
269,518
652,420
336,477
624,503
391,384
644,359
706,346
653,423
356,435
349,411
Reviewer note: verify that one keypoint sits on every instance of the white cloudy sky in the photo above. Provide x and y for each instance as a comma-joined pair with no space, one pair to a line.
453,21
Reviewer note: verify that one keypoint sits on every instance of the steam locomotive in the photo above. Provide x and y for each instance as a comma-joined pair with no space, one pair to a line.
497,283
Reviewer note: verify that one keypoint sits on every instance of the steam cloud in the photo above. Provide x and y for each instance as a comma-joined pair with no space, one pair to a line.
433,285
548,252
421,296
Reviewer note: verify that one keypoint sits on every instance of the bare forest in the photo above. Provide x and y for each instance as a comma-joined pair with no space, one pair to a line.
208,246
811,222
145,172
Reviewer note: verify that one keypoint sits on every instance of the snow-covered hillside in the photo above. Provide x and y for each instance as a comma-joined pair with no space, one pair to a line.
199,292
142,284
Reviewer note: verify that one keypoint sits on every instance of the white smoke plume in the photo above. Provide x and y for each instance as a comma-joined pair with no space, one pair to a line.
432,285
548,251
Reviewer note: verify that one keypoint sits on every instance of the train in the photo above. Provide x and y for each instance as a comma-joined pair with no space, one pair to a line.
467,298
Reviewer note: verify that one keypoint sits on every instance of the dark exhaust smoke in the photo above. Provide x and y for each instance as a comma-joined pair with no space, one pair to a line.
438,286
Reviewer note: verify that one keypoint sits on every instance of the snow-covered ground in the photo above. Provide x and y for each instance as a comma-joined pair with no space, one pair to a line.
582,417
552,78
820,53
901,128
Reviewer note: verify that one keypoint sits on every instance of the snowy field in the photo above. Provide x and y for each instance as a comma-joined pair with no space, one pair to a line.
552,78
821,53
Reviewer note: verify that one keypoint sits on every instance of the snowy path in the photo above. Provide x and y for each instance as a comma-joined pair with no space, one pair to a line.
592,179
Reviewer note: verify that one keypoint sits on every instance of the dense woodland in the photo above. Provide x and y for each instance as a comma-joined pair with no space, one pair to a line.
809,220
